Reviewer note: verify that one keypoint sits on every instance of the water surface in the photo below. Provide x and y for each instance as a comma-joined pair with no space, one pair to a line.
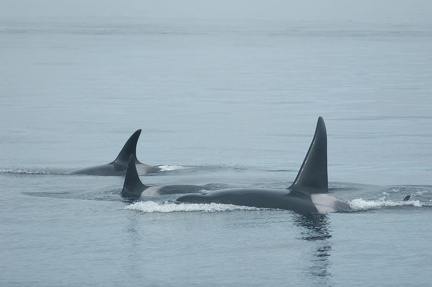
232,104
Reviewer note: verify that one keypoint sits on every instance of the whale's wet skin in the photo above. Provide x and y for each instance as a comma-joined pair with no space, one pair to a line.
119,165
308,193
224,105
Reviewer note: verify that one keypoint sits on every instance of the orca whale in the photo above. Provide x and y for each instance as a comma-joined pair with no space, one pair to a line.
307,195
133,188
119,165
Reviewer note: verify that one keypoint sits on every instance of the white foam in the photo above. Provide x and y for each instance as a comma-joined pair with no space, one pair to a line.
423,192
171,167
166,207
24,171
361,204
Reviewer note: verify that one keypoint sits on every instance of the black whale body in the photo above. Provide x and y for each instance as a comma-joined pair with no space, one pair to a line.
308,194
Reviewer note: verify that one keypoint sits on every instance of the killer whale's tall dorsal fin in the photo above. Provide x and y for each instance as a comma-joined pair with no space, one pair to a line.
312,176
128,149
132,187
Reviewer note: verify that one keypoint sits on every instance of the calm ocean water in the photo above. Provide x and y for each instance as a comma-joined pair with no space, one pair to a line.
231,103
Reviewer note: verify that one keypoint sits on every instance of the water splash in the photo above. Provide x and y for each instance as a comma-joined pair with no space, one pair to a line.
28,171
167,207
361,204
171,167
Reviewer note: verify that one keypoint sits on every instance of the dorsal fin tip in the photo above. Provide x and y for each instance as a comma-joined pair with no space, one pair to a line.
312,176
128,149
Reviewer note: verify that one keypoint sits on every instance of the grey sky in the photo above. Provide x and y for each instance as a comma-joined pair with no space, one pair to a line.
393,11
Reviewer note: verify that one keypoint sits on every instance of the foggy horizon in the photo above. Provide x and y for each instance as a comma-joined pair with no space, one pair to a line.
381,11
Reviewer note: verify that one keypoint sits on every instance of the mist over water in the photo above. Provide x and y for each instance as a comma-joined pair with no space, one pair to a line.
226,94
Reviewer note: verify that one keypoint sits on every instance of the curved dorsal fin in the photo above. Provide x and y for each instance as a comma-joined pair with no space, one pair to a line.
132,187
128,149
312,176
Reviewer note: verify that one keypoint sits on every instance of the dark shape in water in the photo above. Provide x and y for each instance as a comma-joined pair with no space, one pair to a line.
308,194
133,187
119,165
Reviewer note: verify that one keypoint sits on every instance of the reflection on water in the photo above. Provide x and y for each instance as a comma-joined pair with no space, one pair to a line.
134,263
316,226
316,229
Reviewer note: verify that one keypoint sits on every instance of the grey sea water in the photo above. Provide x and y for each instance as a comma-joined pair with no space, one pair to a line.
226,103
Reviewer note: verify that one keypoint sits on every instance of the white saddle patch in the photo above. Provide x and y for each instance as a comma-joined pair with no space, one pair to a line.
151,191
325,202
